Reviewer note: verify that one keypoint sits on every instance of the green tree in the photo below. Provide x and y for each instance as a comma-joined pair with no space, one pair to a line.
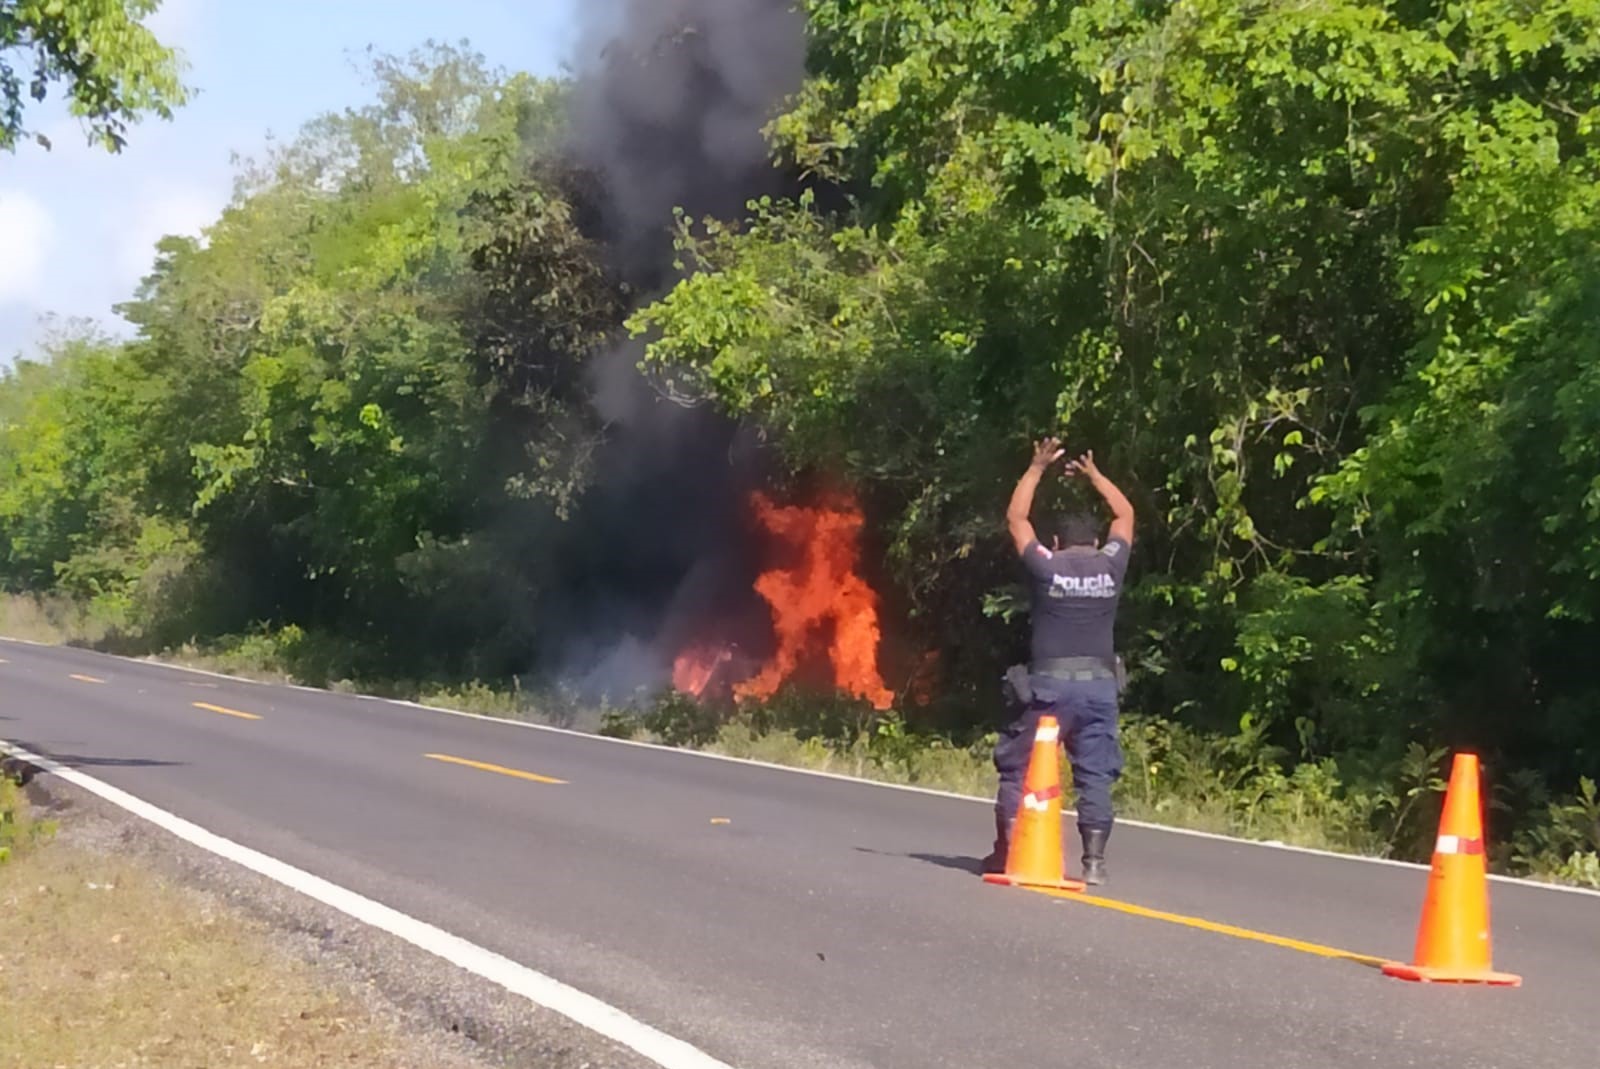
112,67
1295,271
376,356
73,508
1316,281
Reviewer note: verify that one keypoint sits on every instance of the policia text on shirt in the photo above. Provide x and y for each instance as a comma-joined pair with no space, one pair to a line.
1073,672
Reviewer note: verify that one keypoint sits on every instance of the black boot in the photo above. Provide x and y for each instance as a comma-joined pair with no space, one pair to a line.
996,861
1094,853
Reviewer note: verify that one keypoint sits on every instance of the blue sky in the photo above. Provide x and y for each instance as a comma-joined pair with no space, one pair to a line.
78,226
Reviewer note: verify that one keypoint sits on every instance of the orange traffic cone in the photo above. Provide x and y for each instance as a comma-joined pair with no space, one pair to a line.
1034,857
1453,938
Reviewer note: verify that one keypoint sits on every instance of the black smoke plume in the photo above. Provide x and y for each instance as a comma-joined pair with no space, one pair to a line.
668,111
668,108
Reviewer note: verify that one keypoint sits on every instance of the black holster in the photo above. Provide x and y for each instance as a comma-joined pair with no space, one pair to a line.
1016,688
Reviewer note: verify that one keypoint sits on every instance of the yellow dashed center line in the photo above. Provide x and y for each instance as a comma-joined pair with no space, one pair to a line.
225,712
1214,927
499,769
1198,923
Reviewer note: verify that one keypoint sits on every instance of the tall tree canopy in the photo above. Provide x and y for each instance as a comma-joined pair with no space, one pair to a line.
329,395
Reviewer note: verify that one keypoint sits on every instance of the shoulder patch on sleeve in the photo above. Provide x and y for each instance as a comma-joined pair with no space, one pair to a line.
1111,549
1039,549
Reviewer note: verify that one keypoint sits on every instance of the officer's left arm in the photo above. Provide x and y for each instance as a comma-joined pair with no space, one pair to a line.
1022,533
1121,507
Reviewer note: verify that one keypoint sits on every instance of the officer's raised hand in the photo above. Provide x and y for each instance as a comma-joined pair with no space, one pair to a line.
1047,452
1084,465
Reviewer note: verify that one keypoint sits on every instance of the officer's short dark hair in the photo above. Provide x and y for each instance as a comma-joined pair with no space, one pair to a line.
1078,529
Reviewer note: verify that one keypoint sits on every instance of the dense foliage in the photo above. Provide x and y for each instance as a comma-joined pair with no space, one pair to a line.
112,68
1317,282
328,397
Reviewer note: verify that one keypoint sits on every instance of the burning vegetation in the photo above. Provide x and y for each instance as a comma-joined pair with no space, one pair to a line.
816,595
697,667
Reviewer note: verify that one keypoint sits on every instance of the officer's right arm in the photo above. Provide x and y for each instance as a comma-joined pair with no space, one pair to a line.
1017,521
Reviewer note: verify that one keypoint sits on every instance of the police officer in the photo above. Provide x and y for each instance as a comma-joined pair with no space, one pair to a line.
1073,672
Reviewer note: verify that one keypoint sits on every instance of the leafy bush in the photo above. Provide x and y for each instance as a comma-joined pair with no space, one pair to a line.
18,829
1566,843
679,720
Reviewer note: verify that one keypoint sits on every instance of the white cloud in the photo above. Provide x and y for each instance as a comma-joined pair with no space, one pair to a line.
26,233
175,19
182,211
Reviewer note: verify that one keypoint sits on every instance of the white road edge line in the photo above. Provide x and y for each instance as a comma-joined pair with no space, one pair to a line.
1269,844
547,992
1266,844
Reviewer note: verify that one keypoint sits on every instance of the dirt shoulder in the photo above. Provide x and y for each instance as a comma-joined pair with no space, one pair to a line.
121,946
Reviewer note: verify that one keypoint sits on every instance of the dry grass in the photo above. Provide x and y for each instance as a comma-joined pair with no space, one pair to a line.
51,620
240,666
102,965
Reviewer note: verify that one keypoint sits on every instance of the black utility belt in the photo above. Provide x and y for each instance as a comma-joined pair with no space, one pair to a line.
1077,668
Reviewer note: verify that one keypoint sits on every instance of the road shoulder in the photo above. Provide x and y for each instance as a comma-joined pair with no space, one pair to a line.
442,1017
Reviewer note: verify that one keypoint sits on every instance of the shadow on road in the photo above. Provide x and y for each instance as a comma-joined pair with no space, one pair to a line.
970,865
80,761
77,760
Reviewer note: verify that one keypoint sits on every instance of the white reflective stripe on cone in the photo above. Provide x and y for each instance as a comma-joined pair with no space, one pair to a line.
1455,844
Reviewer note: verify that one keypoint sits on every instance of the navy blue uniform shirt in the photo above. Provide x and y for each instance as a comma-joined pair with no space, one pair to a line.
1076,592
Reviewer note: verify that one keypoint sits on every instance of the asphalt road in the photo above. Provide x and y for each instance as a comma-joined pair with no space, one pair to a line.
775,919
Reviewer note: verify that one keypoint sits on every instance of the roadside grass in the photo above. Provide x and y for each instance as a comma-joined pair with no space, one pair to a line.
20,834
969,771
1174,775
50,620
104,964
944,767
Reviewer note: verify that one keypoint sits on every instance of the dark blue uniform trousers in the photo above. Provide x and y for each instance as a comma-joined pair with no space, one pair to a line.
1087,713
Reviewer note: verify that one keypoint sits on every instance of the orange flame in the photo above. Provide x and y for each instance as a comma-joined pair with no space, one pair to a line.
823,586
693,668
